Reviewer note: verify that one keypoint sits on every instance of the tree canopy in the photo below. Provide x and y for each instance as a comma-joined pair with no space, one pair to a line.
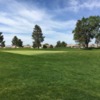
61,44
37,36
97,40
17,42
2,42
86,29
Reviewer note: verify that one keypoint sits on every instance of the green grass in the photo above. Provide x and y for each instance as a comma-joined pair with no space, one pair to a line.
28,52
55,75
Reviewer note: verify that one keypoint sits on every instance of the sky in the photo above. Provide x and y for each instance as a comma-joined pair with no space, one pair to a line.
57,18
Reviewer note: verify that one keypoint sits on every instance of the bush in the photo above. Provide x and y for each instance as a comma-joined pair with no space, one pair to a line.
51,46
44,46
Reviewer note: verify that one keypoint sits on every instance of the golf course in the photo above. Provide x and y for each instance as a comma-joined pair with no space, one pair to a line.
54,74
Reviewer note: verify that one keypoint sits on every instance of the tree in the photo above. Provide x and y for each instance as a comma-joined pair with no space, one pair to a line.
58,44
37,36
17,42
86,29
2,43
45,46
61,44
34,44
51,46
20,43
97,41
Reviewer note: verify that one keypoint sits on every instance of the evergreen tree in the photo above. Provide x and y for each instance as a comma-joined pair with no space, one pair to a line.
2,43
58,44
37,36
17,42
61,44
20,43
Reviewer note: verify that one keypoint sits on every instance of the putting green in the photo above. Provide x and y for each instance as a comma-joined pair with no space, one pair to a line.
28,52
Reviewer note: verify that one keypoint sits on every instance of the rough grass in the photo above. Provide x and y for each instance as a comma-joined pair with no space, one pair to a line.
72,75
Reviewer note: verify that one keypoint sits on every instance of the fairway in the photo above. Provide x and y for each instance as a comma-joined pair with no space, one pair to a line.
50,74
36,52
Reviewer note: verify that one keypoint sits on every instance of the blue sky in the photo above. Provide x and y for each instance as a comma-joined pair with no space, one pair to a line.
57,18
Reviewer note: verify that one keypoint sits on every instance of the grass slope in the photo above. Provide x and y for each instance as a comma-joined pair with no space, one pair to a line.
72,75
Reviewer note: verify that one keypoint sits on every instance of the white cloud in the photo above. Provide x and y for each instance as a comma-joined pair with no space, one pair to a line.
77,5
74,5
91,4
35,15
20,19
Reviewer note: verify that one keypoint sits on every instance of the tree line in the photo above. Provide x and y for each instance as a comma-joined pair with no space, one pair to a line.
86,29
37,36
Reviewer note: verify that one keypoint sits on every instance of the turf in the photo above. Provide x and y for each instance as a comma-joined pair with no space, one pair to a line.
28,52
68,75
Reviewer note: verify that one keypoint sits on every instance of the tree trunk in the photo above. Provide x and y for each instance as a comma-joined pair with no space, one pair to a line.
38,46
97,45
87,45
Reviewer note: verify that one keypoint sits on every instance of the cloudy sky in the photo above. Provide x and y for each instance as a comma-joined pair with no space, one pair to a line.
57,18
